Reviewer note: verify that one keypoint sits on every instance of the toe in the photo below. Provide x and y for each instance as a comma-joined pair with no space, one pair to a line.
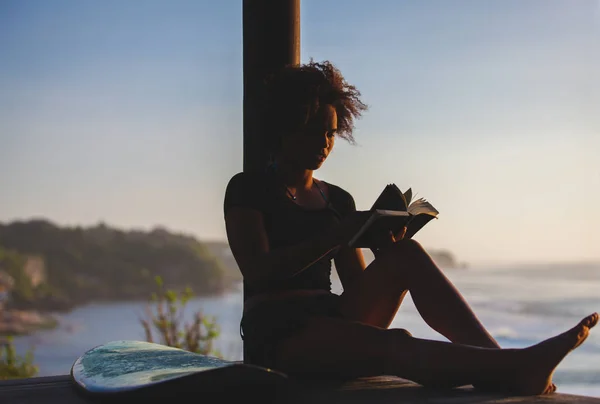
590,320
594,320
550,389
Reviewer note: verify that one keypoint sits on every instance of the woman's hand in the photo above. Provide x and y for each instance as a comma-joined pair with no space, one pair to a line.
388,240
400,235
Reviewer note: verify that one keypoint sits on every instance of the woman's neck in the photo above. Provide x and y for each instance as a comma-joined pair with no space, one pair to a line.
294,177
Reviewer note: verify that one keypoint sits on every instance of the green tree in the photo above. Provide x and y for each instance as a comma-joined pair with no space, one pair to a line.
167,320
100,263
13,366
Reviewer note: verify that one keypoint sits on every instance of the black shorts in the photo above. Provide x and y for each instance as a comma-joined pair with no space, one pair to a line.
265,326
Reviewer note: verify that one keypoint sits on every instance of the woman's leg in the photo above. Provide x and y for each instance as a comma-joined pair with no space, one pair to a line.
338,348
375,298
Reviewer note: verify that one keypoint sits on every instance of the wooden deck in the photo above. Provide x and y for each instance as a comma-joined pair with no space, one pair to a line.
381,390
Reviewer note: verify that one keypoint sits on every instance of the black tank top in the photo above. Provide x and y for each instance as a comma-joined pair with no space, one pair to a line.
287,224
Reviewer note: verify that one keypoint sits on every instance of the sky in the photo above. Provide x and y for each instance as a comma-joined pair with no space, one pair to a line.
130,113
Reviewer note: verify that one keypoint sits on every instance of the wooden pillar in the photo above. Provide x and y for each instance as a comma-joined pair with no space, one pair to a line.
271,40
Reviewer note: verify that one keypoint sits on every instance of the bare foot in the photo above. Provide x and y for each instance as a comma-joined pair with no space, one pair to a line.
534,375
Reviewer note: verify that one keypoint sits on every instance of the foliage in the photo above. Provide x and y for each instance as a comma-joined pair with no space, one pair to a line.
103,263
168,321
12,264
13,366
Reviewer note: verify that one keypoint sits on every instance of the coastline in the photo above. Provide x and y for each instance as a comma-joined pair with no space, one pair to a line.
26,321
23,322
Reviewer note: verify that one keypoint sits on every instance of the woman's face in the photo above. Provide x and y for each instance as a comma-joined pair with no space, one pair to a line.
308,148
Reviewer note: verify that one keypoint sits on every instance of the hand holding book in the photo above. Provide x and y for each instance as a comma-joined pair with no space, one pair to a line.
384,240
391,212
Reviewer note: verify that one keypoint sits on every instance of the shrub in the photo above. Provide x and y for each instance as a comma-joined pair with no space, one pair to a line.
167,320
13,366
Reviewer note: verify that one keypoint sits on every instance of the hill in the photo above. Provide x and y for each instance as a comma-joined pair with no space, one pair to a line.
56,267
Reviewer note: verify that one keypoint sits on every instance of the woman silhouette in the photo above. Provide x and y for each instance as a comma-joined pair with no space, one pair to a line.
285,227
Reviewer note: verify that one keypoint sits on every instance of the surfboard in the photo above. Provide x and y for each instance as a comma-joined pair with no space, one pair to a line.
138,369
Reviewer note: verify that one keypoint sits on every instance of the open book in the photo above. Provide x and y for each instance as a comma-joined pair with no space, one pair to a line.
390,213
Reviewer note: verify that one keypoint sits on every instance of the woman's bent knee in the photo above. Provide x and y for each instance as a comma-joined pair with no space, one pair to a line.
402,251
401,332
407,258
409,246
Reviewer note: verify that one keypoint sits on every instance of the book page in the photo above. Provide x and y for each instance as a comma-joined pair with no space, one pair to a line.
408,196
421,206
391,198
406,201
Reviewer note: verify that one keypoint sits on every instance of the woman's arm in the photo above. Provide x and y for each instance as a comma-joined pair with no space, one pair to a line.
349,264
258,263
247,236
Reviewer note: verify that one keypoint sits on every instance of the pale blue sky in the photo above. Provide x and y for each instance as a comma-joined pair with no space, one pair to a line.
129,112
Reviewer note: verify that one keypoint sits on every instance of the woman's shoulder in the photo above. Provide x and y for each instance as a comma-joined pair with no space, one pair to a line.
247,177
246,189
338,190
250,181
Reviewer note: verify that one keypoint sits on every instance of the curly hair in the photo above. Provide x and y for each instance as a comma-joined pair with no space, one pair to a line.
295,94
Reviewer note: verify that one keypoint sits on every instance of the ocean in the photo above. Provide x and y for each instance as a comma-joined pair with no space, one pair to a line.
519,305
